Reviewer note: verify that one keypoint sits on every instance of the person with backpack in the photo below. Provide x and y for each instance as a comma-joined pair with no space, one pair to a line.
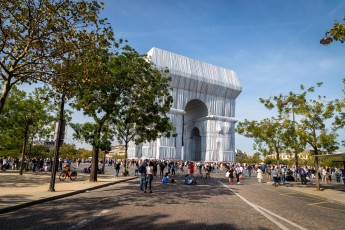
142,171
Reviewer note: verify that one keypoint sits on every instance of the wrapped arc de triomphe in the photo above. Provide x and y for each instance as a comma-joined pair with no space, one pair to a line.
203,111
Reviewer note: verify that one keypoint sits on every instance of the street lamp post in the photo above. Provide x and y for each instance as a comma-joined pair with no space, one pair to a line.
57,144
326,40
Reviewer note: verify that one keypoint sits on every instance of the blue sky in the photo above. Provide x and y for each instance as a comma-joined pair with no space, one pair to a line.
272,45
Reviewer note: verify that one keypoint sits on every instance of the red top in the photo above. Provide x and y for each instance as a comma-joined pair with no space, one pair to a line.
191,168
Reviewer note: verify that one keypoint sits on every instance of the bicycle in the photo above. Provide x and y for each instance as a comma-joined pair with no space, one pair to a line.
72,175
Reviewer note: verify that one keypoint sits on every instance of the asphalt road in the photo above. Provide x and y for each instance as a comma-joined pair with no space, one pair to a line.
214,205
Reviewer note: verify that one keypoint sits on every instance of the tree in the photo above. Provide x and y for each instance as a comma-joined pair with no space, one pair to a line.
25,115
268,135
69,151
310,131
41,151
96,134
313,126
144,106
129,83
282,104
339,121
35,36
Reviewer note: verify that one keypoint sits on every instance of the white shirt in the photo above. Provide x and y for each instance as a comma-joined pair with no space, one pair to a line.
149,169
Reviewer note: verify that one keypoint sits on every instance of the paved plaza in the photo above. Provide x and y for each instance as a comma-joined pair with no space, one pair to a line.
18,191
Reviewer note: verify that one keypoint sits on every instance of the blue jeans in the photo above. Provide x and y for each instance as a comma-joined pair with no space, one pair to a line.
149,178
275,180
143,181
117,172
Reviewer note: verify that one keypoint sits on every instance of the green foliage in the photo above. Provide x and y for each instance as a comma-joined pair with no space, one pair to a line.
338,31
270,161
83,153
132,95
10,152
41,151
68,151
146,101
268,134
23,117
38,38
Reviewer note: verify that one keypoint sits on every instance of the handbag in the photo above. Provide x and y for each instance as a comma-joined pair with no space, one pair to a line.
227,174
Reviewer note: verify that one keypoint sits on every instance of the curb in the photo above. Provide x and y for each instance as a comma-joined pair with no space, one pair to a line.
24,205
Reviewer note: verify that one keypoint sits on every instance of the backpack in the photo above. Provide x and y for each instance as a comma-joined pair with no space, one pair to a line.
142,168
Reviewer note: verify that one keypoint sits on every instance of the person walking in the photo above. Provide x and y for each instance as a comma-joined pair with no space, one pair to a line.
231,175
249,168
173,168
259,175
191,168
268,173
283,174
142,171
324,176
199,166
274,173
338,175
161,168
238,170
136,169
303,174
117,168
149,176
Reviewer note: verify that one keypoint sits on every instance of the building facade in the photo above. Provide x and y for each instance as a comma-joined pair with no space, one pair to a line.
203,111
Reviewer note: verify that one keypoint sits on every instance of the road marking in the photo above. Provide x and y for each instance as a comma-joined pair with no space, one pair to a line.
324,202
289,193
84,222
268,214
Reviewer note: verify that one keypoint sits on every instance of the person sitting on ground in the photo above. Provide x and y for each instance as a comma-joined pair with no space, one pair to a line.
189,180
165,179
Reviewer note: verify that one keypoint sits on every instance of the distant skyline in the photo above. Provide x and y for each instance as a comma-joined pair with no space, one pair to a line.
272,45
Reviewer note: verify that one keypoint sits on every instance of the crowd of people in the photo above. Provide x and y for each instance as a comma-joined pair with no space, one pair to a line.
164,168
280,174
34,164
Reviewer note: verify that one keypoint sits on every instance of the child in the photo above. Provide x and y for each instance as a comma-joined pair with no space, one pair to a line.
165,178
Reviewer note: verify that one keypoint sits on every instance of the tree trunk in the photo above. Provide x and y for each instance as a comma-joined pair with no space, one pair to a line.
103,166
126,156
277,155
316,163
24,150
6,89
94,164
30,146
95,151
